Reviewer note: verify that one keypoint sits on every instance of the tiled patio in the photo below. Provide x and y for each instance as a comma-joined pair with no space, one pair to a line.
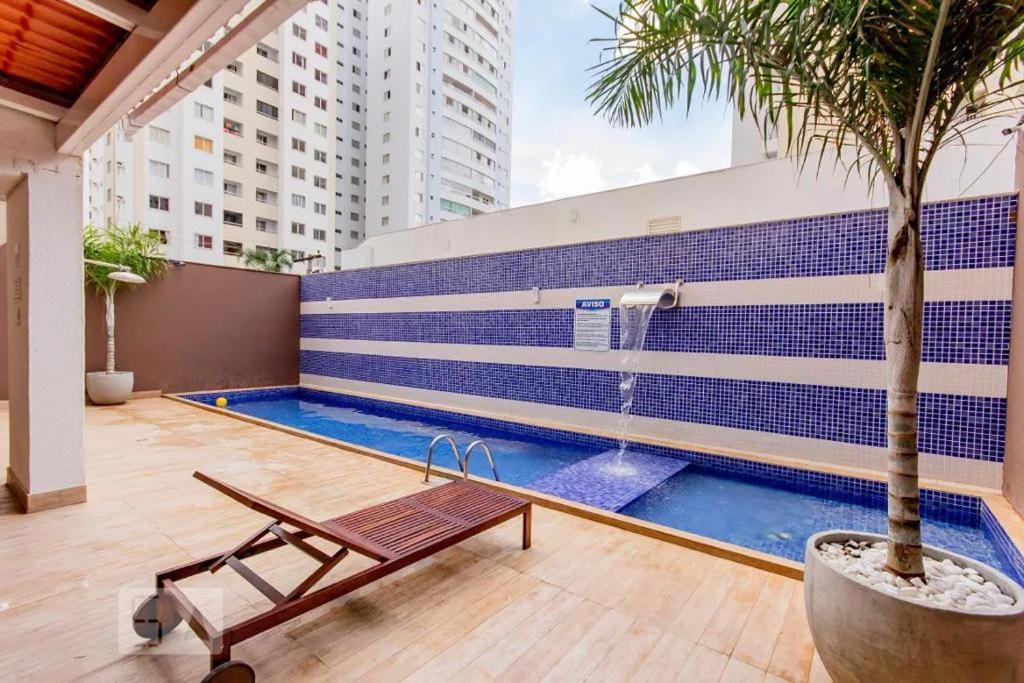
586,602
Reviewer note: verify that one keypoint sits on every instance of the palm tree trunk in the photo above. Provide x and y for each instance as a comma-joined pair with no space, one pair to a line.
110,331
903,324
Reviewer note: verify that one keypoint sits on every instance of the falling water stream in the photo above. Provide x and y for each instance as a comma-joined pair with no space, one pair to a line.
633,323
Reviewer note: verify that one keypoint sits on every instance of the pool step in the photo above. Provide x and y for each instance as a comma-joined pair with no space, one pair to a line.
595,482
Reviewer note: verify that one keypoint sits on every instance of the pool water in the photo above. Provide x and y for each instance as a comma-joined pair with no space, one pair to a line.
753,513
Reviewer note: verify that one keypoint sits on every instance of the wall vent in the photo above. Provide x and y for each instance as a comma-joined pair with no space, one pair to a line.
661,226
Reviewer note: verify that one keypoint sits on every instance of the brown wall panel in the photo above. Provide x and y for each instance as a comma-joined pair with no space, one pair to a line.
1013,468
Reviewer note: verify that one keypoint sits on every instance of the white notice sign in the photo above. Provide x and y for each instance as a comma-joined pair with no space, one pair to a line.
592,325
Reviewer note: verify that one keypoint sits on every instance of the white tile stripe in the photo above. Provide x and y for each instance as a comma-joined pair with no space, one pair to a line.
763,446
941,285
939,378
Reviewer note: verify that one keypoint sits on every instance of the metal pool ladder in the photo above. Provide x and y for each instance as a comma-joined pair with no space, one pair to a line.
462,462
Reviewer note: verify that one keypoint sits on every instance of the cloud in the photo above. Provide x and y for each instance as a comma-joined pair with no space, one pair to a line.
565,174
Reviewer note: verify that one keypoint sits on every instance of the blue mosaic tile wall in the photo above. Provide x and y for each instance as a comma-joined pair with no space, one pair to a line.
969,233
963,234
963,426
954,331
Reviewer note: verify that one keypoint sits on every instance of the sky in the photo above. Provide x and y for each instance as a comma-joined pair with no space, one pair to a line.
560,147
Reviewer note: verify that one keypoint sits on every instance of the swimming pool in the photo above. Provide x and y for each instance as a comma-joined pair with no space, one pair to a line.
770,509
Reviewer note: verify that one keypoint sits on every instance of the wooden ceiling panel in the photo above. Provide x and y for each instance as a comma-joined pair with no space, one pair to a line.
51,50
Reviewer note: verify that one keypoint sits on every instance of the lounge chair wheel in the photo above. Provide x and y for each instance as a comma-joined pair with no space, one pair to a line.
231,672
146,623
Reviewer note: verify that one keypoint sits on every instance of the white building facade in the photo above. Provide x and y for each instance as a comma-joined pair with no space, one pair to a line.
245,161
440,84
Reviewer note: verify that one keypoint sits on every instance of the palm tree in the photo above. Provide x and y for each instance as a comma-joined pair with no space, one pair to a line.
133,246
892,81
270,260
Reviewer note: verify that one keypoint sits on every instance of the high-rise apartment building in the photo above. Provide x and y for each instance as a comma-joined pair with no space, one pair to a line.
352,119
246,161
440,85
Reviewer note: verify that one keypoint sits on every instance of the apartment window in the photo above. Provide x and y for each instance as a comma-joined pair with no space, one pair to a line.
161,136
321,23
266,225
203,209
204,241
298,145
385,200
298,88
417,219
320,208
320,75
320,182
202,144
235,68
298,172
417,197
299,201
320,103
387,116
161,234
232,157
298,228
298,60
298,32
159,203
232,248
355,180
204,177
319,235
159,169
299,117
386,158
232,126
356,107
385,179
320,49
232,188
266,167
387,137
266,196
232,96
266,80
385,221
355,217
203,111
387,94
266,51
418,176
320,129
297,254
356,125
267,110
268,139
232,217
320,155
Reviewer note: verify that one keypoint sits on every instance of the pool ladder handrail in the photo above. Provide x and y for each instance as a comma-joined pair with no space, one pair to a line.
487,452
430,454
462,461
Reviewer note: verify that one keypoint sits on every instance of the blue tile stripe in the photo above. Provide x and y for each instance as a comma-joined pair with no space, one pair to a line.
954,331
969,233
939,505
961,426
1012,556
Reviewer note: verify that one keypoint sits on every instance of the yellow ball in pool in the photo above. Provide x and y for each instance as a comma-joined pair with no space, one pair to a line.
221,401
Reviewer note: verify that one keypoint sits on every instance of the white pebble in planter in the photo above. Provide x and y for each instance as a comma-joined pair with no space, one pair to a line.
965,624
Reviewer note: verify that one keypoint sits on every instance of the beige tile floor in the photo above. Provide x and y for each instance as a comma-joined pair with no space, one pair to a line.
586,602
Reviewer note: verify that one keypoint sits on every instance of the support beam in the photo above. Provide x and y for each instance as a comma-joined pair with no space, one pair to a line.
45,315
257,24
120,13
170,32
15,99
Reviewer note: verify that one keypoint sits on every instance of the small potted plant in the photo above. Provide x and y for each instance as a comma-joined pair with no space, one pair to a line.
122,256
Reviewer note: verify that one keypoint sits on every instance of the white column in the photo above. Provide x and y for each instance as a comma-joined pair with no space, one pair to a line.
46,334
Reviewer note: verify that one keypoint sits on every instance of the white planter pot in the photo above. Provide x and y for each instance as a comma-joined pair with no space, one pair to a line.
863,634
109,388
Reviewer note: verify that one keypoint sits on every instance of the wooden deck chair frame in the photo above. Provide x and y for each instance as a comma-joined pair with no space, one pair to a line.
395,534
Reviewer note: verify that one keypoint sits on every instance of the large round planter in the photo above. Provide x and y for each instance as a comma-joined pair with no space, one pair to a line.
109,388
863,634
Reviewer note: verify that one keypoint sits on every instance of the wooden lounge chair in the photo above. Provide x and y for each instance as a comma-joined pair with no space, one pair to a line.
395,534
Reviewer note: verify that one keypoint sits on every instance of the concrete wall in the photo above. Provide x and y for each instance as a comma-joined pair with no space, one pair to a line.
203,327
765,191
1013,470
200,327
